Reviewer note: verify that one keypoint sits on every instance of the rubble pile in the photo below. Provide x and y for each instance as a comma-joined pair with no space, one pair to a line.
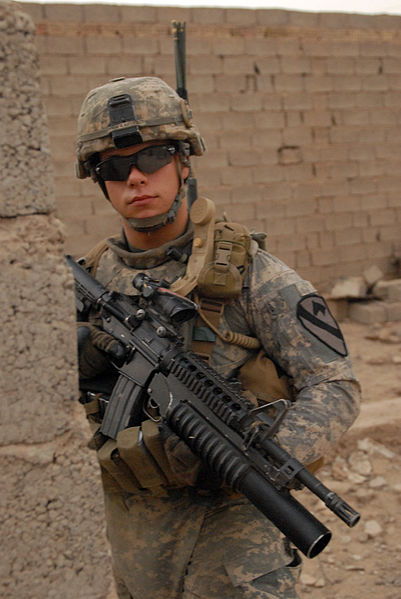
367,557
368,298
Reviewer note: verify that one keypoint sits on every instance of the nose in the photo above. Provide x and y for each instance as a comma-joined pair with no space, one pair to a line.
136,177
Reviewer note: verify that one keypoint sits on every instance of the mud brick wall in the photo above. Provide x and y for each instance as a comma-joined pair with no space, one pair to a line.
300,111
51,510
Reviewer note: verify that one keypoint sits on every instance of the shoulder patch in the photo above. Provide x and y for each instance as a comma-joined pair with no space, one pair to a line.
315,316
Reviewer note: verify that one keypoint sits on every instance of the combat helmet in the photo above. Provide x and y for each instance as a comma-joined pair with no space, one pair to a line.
129,111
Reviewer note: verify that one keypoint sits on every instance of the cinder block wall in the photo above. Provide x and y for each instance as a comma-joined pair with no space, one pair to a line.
301,113
51,509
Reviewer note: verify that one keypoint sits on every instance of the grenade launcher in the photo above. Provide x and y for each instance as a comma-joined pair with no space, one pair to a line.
233,438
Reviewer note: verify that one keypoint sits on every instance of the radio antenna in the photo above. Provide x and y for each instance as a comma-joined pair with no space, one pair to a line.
179,54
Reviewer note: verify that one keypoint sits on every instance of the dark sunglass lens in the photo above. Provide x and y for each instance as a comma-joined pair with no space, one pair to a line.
115,168
121,167
148,160
151,159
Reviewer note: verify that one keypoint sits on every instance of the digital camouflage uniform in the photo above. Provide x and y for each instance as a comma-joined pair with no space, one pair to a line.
194,543
188,541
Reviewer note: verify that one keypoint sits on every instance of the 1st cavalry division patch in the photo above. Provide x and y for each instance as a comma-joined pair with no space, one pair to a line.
315,316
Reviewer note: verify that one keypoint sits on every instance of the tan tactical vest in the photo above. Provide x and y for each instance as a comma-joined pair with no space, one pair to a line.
221,254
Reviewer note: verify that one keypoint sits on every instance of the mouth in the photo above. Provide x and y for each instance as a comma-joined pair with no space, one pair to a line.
139,200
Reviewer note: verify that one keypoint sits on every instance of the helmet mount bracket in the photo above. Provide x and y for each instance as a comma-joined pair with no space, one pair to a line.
121,110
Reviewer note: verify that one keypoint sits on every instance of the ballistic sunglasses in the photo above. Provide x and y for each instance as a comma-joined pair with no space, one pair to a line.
148,160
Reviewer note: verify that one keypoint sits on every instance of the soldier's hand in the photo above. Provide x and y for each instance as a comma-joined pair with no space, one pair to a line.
97,350
183,462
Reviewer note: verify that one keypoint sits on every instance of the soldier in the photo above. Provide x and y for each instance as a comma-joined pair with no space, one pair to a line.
183,534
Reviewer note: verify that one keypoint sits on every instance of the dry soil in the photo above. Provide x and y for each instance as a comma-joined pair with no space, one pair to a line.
365,561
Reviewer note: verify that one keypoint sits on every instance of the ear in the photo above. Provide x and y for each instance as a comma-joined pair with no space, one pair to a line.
185,172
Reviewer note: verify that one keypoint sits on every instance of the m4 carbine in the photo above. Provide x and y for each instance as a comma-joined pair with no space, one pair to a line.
222,427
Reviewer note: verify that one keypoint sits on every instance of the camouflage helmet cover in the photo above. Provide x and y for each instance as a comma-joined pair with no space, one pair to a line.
140,109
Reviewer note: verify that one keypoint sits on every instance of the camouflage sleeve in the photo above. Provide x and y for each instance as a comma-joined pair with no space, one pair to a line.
301,336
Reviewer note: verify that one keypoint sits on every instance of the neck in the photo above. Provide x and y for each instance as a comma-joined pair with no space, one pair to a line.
153,239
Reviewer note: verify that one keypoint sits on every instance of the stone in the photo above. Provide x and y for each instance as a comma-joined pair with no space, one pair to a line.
393,310
359,463
356,478
368,311
373,529
377,483
351,287
372,274
388,290
308,580
370,446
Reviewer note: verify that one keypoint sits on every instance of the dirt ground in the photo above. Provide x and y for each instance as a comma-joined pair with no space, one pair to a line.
364,561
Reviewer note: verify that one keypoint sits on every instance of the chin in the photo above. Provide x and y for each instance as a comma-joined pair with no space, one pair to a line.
147,214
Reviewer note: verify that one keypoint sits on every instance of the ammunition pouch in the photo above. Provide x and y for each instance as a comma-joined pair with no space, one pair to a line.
137,460
141,457
110,461
223,277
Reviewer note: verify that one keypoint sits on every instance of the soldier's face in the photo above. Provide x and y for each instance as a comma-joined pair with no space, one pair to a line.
141,194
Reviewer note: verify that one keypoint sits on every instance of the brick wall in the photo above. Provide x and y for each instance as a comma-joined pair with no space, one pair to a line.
301,113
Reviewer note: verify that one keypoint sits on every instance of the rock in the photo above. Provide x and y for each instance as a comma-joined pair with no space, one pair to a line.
308,580
388,290
370,447
364,495
373,529
368,311
351,287
339,468
359,463
377,483
385,334
355,478
373,334
311,581
372,275
379,361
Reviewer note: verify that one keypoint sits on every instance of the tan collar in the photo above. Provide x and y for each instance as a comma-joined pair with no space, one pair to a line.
154,257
